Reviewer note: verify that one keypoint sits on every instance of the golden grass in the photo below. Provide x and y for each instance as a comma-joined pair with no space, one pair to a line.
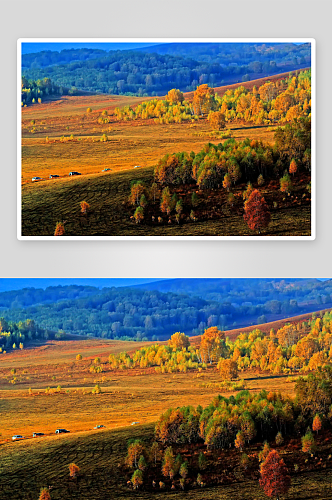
127,395
139,142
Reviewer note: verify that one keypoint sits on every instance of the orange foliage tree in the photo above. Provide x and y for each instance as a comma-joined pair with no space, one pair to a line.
168,463
59,229
179,341
239,441
275,479
175,96
44,494
135,450
257,214
73,470
216,120
293,167
227,182
212,344
136,192
84,207
228,369
317,424
204,99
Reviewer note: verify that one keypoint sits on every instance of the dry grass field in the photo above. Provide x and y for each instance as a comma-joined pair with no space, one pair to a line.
140,142
59,136
127,395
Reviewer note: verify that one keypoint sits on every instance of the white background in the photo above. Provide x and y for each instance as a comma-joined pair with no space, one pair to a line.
159,18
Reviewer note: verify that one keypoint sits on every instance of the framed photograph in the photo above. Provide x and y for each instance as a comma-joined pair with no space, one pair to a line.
173,388
166,139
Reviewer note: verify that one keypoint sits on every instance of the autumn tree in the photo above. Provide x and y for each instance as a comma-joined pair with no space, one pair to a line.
286,183
216,120
137,189
168,463
165,204
45,494
135,450
84,207
143,201
175,96
247,192
317,424
59,229
260,180
184,470
308,442
293,167
154,191
204,99
155,452
137,479
73,470
78,357
228,369
279,439
212,344
257,214
139,215
262,455
239,441
179,341
275,479
227,182
142,465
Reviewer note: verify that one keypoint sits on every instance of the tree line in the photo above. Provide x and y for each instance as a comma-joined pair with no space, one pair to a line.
133,313
33,92
294,348
151,73
273,102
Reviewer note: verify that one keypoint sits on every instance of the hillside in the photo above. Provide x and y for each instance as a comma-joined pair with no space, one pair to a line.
156,310
155,70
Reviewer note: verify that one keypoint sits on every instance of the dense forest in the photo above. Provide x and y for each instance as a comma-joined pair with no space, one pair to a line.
135,313
143,72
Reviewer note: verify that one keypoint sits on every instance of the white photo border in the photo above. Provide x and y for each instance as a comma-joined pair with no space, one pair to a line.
312,41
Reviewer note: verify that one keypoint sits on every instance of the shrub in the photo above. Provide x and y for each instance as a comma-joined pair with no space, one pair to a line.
59,229
73,470
44,494
84,207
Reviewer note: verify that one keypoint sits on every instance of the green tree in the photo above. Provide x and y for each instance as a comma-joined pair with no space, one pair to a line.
137,479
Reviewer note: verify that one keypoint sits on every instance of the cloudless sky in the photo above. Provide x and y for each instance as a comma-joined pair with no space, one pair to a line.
27,48
19,283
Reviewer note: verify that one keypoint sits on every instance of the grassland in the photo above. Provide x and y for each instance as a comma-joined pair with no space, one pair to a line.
134,395
60,136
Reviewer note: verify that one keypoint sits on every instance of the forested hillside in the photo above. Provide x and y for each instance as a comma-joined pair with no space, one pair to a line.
155,70
158,311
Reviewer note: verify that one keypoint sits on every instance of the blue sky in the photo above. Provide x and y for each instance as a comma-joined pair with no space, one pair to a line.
19,283
27,48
